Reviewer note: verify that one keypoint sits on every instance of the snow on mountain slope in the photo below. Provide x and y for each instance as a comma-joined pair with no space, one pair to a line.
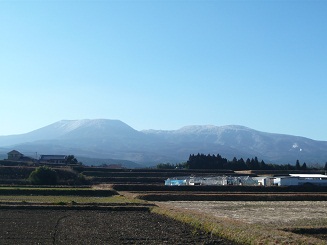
72,129
104,138
100,128
245,142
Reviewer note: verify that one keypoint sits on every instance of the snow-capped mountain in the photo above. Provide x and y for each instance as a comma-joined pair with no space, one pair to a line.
116,140
240,141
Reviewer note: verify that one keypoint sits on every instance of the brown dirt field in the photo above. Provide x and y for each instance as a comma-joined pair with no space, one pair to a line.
96,227
301,217
274,214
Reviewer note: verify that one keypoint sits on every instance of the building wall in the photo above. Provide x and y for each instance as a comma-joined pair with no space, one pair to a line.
286,181
299,181
14,156
320,182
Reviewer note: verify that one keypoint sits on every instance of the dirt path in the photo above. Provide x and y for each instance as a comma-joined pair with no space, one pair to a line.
95,227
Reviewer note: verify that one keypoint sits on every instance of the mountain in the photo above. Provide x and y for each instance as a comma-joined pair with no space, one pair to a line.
240,141
113,139
102,138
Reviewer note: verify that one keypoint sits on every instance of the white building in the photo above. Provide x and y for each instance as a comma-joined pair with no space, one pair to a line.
212,180
301,179
265,180
290,180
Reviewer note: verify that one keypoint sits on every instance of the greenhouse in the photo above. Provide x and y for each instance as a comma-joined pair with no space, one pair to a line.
212,180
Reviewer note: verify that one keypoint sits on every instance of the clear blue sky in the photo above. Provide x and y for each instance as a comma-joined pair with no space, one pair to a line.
165,64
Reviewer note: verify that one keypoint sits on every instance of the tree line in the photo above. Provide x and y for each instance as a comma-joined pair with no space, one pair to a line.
202,161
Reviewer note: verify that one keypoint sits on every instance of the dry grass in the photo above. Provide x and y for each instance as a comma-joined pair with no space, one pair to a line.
274,214
66,199
251,222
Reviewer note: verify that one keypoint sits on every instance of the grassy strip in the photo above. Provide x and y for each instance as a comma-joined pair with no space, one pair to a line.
56,192
74,207
67,199
148,180
233,230
35,187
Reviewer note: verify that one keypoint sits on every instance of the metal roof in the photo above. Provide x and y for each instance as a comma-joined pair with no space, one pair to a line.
53,157
309,175
14,152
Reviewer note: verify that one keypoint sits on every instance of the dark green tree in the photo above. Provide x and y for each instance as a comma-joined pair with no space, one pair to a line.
166,166
255,163
71,159
304,166
248,163
262,165
43,176
297,165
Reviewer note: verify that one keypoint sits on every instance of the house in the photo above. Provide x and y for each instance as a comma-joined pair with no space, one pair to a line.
53,159
15,155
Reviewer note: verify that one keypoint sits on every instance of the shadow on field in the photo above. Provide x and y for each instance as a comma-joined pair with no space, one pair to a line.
320,233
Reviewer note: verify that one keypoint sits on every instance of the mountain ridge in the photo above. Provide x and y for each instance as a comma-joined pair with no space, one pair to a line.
114,139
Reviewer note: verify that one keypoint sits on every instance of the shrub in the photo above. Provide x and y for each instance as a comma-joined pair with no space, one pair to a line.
43,176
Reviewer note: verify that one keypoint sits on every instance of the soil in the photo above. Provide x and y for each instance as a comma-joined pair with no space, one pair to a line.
320,233
277,215
96,227
283,213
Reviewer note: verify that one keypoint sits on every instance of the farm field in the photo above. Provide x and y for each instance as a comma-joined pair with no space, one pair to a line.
96,227
274,214
24,199
133,210
261,218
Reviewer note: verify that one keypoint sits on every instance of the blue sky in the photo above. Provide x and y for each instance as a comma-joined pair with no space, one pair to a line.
165,64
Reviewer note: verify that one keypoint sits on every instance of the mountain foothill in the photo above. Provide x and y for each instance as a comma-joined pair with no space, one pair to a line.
114,139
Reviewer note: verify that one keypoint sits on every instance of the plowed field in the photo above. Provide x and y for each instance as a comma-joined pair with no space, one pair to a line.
95,227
